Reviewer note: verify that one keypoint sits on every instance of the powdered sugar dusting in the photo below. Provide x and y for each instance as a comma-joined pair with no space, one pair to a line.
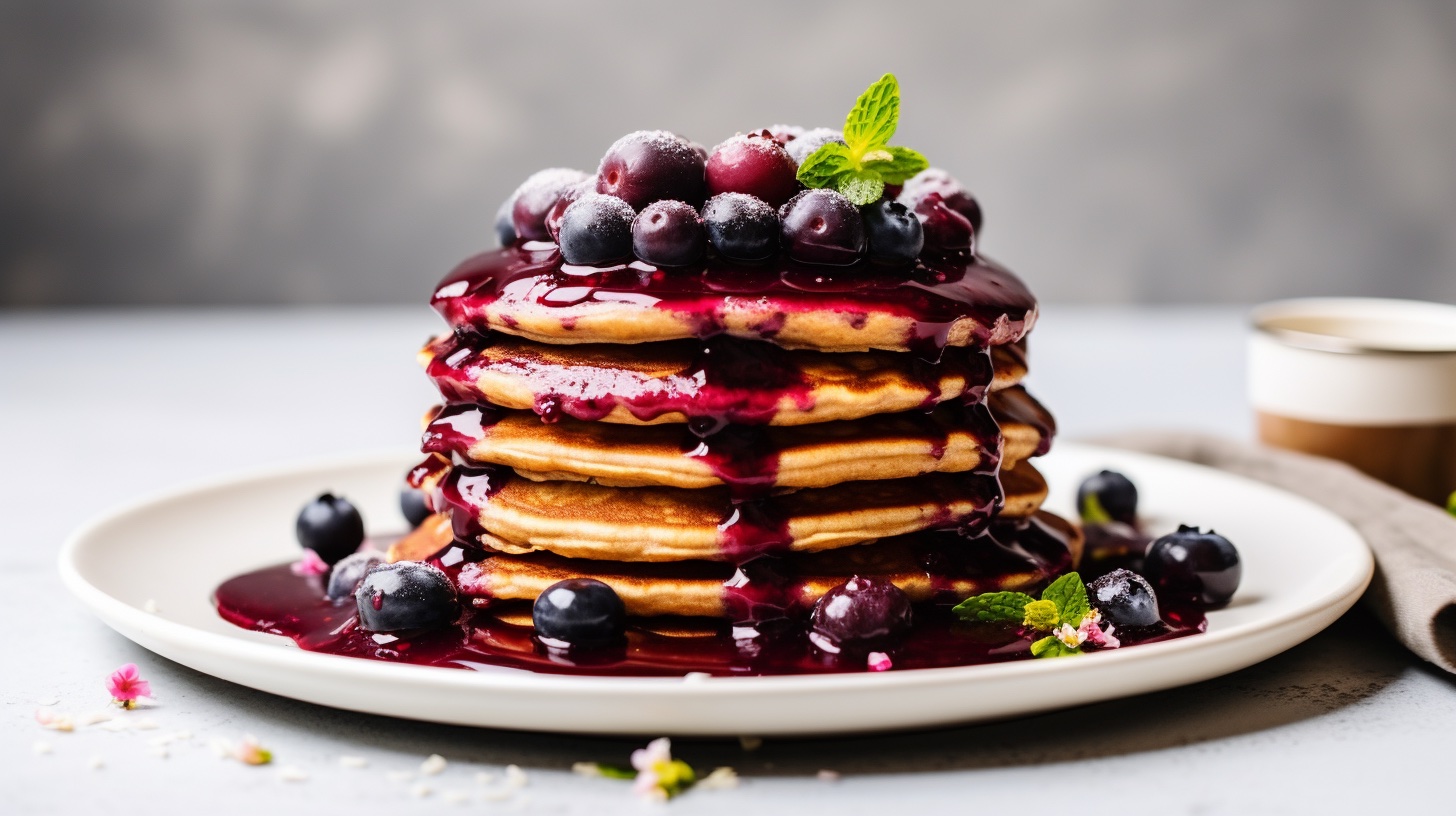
804,145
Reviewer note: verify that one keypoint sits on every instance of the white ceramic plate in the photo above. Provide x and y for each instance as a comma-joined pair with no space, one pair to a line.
1303,567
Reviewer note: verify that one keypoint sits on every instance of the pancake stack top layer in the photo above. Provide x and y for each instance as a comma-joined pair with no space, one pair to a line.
719,438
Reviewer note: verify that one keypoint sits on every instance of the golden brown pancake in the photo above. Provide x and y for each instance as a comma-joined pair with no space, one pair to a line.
955,300
581,520
1015,556
733,381
948,439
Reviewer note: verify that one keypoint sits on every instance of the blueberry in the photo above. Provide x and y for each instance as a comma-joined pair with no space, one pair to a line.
405,595
1107,496
581,612
505,227
346,575
1191,564
552,221
822,227
955,196
755,164
669,233
651,165
1124,598
741,227
330,526
894,233
804,145
945,229
536,196
596,229
415,506
783,134
860,614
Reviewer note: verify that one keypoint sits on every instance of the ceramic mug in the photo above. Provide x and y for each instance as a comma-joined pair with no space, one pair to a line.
1367,381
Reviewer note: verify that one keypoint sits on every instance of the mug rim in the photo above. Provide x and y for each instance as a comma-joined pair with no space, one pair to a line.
1265,316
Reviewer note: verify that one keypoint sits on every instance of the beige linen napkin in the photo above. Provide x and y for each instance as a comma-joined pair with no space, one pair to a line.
1414,591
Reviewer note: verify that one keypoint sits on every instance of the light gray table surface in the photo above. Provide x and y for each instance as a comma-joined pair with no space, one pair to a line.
97,408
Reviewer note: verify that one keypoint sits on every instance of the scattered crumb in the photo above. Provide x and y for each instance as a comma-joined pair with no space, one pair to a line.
150,606
484,777
184,734
159,751
96,717
114,724
421,791
719,779
456,797
145,725
292,773
54,721
433,765
96,763
827,775
586,769
41,748
221,747
399,776
750,743
515,777
48,701
497,794
353,762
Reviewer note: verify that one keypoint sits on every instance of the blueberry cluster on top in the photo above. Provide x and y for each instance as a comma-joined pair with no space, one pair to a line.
669,202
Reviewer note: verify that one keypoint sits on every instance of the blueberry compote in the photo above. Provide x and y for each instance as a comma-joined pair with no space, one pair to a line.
770,638
937,292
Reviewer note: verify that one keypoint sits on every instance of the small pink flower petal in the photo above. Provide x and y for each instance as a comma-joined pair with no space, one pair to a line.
309,564
879,661
126,685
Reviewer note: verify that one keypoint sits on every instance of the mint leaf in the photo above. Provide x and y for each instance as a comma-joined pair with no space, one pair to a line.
825,165
1049,646
861,187
1042,615
875,116
1092,511
897,165
1451,504
1070,596
994,607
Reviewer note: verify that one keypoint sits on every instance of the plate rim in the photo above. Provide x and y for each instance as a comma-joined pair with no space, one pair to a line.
284,654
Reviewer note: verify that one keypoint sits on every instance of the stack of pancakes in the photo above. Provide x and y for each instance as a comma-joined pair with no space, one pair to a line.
738,477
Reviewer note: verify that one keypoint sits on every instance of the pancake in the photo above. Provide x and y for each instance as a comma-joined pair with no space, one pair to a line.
512,514
953,300
940,566
949,439
715,382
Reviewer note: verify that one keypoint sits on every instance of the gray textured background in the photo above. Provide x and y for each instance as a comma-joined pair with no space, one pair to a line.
271,152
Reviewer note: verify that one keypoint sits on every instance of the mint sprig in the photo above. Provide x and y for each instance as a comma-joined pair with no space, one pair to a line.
1451,504
1063,603
860,168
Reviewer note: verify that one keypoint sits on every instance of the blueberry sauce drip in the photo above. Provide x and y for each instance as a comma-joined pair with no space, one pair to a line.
740,455
751,528
727,381
276,601
464,491
454,428
934,294
762,590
